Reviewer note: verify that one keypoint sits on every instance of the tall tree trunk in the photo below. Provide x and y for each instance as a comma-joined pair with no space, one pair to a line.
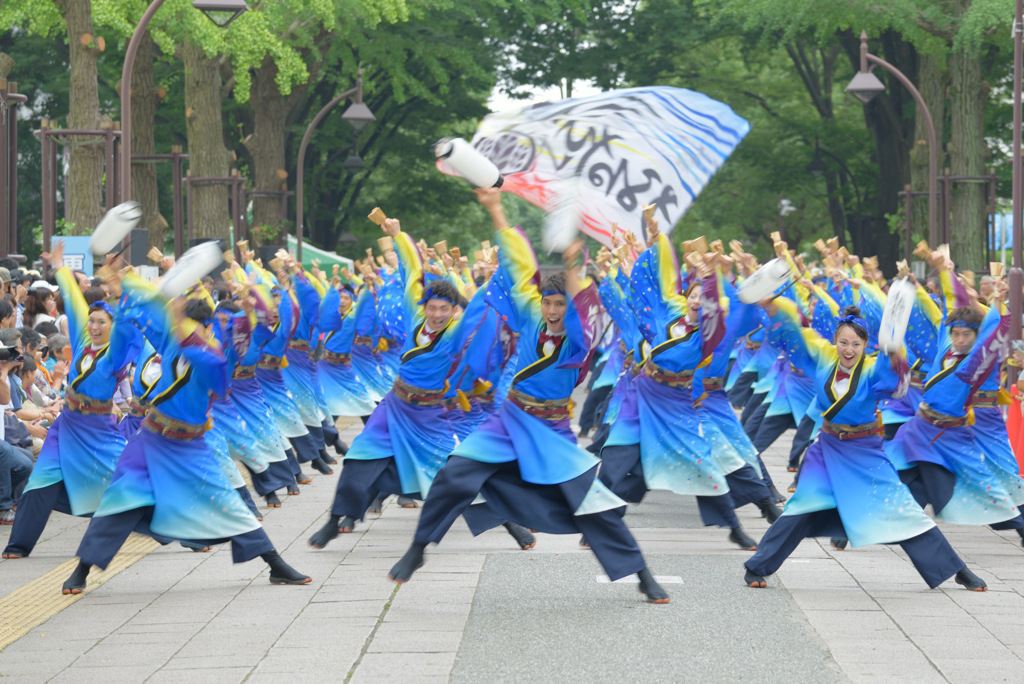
967,93
835,206
145,96
266,145
207,155
932,79
84,182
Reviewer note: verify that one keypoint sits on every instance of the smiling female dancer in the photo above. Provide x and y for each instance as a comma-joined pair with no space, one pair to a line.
848,488
84,444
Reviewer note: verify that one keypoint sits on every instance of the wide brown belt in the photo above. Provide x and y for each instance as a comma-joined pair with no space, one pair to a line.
939,419
485,397
244,373
136,408
450,402
713,384
752,345
628,361
845,432
985,399
917,378
666,377
416,395
79,403
299,345
622,345
364,340
548,409
335,357
636,369
268,362
168,427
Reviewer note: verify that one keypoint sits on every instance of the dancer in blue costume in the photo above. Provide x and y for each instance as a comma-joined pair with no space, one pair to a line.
407,438
989,426
247,398
298,372
144,377
168,484
936,451
848,488
739,384
603,377
229,437
283,320
613,291
657,435
718,421
344,390
524,460
792,394
480,367
389,310
83,445
367,365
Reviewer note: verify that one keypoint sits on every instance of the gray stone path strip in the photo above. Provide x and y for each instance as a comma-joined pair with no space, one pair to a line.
480,610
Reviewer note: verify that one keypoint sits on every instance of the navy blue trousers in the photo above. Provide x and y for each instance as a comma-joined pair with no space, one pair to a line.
547,508
622,472
243,492
589,411
742,389
930,552
753,404
362,481
34,508
305,449
106,535
278,475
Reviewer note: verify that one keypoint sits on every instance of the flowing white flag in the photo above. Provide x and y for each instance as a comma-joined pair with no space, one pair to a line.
592,161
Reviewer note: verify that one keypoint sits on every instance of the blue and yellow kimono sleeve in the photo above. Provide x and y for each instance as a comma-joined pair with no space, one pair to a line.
410,266
330,315
889,374
656,282
954,295
825,311
803,346
75,309
514,290
925,326
471,318
147,309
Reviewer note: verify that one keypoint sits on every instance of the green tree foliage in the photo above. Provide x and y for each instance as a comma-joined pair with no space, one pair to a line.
429,68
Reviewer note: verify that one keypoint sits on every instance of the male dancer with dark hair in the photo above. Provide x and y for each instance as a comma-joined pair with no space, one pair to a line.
407,437
524,459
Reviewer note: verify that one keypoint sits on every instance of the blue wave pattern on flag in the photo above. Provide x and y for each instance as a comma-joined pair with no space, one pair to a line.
607,155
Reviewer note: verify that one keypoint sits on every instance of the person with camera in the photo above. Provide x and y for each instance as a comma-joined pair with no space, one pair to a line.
15,465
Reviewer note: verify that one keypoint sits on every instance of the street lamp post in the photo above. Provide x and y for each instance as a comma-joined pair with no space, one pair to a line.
220,12
1016,279
865,86
357,115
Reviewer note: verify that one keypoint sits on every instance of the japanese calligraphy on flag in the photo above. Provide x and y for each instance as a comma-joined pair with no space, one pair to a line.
596,160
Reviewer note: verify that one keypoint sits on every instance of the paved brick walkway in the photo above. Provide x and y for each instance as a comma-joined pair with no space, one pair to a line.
481,610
